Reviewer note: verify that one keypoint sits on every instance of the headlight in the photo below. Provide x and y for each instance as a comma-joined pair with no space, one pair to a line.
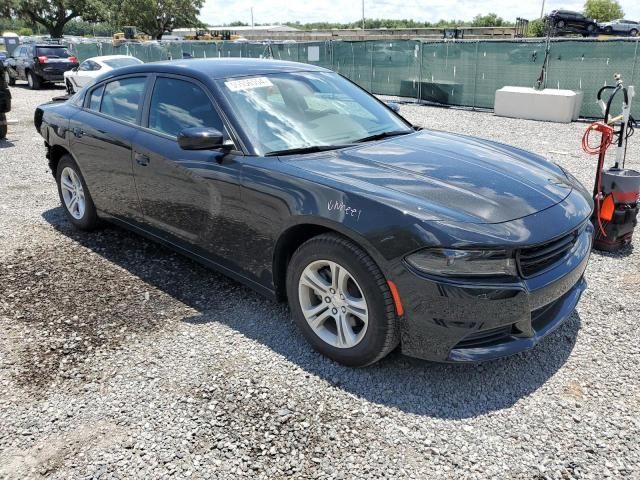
463,263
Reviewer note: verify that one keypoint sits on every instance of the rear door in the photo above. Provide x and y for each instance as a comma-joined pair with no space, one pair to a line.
188,197
101,140
23,57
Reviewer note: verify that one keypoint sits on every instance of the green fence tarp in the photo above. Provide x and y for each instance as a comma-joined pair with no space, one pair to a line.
465,73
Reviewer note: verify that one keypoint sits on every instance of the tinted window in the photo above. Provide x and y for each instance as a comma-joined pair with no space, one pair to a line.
85,66
178,104
122,98
95,97
122,62
53,52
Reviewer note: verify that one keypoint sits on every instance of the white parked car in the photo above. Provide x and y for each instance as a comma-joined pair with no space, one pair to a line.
92,68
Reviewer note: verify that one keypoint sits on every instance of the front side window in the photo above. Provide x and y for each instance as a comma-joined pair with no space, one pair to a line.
179,104
122,99
288,111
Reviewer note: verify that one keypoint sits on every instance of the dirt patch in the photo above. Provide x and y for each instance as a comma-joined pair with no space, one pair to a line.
49,454
65,302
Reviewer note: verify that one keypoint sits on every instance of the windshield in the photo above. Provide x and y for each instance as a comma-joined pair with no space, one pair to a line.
288,111
52,52
122,62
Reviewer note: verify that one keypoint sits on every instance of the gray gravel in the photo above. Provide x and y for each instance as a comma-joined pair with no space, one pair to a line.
120,359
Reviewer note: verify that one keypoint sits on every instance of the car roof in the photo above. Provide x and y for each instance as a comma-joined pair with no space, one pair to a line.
109,57
216,68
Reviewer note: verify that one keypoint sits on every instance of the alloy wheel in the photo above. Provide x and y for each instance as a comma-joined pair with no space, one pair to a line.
333,304
72,193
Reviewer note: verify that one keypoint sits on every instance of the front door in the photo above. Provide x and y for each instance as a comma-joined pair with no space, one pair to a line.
188,197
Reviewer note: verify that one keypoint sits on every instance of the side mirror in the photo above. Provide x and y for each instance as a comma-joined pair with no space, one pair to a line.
198,138
394,106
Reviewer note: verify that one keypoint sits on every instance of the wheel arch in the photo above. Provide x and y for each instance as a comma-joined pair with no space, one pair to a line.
296,234
55,153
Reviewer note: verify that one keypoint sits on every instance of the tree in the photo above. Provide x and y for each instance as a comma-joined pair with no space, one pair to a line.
155,17
490,20
53,14
536,28
603,10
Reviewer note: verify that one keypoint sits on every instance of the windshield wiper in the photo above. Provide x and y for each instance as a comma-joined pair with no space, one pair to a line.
381,135
309,149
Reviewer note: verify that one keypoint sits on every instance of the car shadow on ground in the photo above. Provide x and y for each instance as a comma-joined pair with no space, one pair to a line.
5,143
410,385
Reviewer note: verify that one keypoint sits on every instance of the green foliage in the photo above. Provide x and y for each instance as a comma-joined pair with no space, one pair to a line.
536,28
490,20
25,31
53,15
155,17
603,10
80,28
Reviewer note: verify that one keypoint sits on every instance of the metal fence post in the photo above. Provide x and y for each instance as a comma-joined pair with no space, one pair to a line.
371,69
475,75
420,72
635,61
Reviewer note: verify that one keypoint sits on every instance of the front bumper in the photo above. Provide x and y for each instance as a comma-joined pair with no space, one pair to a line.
450,321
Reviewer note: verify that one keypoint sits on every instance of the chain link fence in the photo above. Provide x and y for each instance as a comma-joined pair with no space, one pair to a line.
462,73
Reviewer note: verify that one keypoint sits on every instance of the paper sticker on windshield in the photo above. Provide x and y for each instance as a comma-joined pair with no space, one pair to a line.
248,84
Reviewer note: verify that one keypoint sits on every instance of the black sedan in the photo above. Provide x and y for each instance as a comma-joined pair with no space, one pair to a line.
298,183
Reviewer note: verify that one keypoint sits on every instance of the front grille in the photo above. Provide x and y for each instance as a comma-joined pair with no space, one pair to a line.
485,337
535,260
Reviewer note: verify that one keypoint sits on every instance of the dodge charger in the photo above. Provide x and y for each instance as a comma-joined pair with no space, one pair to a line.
298,183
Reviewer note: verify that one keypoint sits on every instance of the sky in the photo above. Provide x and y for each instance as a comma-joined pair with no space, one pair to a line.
217,12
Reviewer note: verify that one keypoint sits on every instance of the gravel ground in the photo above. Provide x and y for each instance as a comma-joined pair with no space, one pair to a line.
120,359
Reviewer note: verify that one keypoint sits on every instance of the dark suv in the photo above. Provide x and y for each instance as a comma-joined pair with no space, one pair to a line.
567,21
41,63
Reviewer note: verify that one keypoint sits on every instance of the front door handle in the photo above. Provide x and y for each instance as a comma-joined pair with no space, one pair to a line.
142,159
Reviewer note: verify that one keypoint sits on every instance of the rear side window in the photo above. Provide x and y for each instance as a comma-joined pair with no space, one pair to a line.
52,52
179,104
95,97
122,99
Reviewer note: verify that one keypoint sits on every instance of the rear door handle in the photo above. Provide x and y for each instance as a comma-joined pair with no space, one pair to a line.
142,159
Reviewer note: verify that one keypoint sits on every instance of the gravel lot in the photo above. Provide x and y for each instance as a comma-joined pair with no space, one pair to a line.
120,359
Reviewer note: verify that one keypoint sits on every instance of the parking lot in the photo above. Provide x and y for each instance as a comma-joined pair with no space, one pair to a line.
121,359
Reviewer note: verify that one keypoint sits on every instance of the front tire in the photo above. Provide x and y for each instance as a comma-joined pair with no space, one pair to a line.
74,195
70,89
341,302
34,81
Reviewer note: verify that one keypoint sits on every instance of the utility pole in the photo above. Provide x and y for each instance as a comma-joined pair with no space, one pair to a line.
362,14
542,10
251,18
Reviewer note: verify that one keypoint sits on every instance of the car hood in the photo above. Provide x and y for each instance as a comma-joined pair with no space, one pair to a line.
442,176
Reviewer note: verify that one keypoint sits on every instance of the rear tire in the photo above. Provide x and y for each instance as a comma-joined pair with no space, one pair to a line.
74,195
560,24
633,32
350,316
34,81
